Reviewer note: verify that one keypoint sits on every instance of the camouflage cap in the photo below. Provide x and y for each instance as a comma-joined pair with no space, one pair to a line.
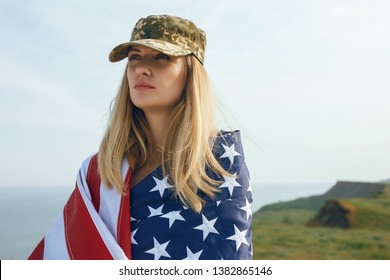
168,34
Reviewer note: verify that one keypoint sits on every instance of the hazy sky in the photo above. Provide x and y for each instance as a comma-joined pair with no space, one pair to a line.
307,83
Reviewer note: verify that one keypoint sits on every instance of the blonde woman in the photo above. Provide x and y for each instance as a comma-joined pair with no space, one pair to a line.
165,183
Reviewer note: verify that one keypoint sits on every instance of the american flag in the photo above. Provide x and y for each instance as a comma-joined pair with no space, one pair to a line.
163,228
149,223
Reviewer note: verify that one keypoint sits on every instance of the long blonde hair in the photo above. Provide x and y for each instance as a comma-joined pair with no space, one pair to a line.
188,145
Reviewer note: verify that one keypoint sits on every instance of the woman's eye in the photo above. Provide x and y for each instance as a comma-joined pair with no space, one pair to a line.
133,57
163,56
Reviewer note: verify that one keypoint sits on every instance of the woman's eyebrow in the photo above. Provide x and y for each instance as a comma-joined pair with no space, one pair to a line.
132,48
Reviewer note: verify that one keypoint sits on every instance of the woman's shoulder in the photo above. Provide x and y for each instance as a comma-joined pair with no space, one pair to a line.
88,162
234,135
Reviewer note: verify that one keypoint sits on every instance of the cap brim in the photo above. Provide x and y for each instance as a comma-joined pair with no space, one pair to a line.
121,51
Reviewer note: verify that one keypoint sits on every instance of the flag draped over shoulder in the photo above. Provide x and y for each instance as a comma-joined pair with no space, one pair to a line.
94,224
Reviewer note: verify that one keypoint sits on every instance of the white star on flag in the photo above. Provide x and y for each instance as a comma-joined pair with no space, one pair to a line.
159,250
161,185
238,237
173,216
155,212
230,153
192,256
247,208
207,227
132,237
230,183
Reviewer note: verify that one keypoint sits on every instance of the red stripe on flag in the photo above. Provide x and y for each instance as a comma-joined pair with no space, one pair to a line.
93,181
37,254
82,237
124,229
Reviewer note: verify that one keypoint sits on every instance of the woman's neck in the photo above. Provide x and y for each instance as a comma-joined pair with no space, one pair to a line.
158,124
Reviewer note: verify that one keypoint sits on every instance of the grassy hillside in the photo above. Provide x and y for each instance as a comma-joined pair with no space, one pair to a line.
341,189
282,233
371,213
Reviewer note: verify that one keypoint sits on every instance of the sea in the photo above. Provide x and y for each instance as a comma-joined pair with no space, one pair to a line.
26,213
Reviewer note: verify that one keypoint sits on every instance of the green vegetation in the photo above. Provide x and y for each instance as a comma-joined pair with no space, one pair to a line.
283,234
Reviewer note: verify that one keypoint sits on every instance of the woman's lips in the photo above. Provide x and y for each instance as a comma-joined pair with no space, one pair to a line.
143,86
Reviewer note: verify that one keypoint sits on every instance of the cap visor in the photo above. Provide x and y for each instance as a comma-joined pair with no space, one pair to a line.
120,51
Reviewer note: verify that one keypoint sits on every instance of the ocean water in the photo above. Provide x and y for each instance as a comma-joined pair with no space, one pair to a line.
26,213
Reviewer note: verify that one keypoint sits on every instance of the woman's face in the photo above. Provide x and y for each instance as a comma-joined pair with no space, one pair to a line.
156,80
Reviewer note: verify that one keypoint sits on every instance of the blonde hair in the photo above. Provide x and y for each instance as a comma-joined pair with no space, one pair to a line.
187,149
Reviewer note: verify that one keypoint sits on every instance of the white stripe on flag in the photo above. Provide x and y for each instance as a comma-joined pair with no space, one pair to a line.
110,201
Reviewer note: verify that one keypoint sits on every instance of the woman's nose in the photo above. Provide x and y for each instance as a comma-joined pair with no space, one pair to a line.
143,68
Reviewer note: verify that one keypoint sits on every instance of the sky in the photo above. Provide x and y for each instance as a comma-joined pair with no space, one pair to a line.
306,82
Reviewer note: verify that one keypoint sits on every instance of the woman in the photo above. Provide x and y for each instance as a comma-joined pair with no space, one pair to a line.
165,184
